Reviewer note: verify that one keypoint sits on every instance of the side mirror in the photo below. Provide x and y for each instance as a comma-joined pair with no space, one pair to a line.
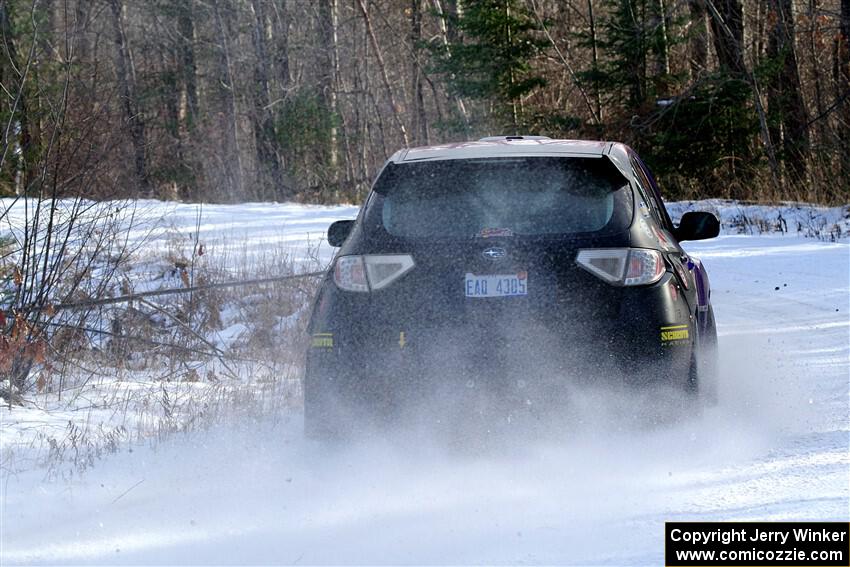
339,231
697,226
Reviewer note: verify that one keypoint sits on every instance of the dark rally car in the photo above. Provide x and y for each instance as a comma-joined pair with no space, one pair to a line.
510,267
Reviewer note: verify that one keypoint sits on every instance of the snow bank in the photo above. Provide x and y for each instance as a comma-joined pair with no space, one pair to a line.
794,219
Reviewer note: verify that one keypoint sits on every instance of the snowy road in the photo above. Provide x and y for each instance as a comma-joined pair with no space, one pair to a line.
776,447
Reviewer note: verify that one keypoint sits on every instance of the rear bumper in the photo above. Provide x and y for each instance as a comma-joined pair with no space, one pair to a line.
364,356
399,369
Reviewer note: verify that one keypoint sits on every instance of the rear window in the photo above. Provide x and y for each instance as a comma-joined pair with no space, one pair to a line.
479,197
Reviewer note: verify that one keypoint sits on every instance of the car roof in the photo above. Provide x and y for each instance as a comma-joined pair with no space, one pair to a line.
506,146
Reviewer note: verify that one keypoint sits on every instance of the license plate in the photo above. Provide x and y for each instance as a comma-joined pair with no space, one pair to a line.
496,285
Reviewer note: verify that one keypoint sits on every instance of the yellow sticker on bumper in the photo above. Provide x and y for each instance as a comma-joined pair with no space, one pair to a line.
674,333
323,340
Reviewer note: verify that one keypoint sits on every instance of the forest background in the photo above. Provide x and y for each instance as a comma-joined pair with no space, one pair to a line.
278,100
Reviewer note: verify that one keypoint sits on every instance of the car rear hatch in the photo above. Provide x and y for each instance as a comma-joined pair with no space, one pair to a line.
494,244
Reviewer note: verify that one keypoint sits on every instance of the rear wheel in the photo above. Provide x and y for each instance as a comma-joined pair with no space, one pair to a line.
318,423
321,416
318,430
709,363
702,375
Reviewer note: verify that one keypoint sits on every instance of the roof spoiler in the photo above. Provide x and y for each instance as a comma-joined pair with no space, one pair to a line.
512,138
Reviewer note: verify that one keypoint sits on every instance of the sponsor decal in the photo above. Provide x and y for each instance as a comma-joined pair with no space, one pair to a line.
495,232
644,226
323,340
674,334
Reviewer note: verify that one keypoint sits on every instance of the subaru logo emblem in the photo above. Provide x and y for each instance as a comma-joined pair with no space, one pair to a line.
494,253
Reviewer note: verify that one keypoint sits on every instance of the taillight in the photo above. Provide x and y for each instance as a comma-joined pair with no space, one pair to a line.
644,267
371,272
623,266
350,273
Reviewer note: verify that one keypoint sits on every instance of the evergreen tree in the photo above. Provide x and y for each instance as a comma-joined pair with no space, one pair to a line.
490,61
705,130
634,33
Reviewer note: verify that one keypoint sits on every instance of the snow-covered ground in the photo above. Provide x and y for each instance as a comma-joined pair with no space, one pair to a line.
249,228
777,447
91,413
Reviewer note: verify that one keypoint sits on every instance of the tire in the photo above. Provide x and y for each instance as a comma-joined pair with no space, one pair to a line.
317,427
702,375
321,422
333,412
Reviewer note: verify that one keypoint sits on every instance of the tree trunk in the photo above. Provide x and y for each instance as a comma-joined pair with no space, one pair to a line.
565,20
384,76
448,35
14,74
327,73
454,9
516,103
662,48
80,30
187,113
814,40
169,110
785,101
268,162
127,85
635,53
420,119
842,64
231,155
594,51
757,41
698,38
727,26
188,68
774,85
281,53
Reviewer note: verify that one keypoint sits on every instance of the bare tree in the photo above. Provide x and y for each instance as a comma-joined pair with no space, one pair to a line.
698,37
55,242
126,73
186,59
448,34
396,112
329,70
268,159
842,81
815,43
727,25
17,134
662,50
420,118
728,28
231,154
785,100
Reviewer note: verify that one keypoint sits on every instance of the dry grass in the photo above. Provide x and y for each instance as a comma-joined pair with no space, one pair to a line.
143,371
